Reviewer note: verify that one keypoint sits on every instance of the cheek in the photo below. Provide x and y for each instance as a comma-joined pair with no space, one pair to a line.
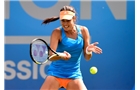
61,22
71,23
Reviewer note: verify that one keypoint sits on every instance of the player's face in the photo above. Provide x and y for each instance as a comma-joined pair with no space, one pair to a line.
67,24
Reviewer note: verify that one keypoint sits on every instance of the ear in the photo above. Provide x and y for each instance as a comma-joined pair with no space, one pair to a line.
74,18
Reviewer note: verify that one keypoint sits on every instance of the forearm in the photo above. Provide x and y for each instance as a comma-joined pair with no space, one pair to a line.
87,56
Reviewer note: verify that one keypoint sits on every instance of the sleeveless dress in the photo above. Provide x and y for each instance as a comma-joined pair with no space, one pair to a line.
68,68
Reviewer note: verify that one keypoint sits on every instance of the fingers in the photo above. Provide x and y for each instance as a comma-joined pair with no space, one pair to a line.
67,55
98,50
95,43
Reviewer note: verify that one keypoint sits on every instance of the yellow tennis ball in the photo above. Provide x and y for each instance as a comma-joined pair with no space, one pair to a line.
93,70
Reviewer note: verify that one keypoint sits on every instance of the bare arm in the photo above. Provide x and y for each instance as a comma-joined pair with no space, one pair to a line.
86,37
89,48
55,38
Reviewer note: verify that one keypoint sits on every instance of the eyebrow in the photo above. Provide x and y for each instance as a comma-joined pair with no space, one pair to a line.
65,20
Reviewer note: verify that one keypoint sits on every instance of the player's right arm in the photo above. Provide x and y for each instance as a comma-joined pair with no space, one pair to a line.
54,39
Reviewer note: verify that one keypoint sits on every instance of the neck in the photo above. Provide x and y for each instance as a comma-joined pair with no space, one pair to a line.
73,30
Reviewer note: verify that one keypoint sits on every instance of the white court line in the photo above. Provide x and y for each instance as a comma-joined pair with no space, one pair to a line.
23,39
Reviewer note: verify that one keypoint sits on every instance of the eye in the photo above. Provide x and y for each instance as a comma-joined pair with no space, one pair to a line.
68,20
64,20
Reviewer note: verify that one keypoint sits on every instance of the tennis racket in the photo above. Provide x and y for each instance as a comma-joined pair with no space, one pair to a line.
39,51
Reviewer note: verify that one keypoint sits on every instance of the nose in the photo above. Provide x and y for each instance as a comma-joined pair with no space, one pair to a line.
65,23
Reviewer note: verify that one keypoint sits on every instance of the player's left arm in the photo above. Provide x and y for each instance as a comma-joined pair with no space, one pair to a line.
86,38
89,48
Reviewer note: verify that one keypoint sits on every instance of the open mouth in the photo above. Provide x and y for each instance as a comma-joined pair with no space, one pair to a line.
66,26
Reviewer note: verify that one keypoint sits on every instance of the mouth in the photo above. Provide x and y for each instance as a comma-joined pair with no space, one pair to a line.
66,26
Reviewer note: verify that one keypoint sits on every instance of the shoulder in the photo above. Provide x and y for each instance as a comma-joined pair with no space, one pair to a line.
83,29
57,32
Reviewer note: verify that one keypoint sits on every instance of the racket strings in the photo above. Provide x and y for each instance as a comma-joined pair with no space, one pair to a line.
39,51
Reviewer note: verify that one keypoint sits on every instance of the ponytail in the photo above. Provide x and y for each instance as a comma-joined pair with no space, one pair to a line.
48,20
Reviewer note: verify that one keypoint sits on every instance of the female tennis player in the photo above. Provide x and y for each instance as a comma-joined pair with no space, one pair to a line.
70,39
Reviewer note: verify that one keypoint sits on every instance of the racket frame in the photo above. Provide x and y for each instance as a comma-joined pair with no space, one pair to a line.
47,59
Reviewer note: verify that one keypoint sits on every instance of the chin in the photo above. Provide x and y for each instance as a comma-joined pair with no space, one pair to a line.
66,29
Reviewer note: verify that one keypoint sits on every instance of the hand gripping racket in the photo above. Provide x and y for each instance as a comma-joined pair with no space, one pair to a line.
39,51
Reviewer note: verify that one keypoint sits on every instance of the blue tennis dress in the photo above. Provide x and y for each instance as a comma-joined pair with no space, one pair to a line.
68,68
